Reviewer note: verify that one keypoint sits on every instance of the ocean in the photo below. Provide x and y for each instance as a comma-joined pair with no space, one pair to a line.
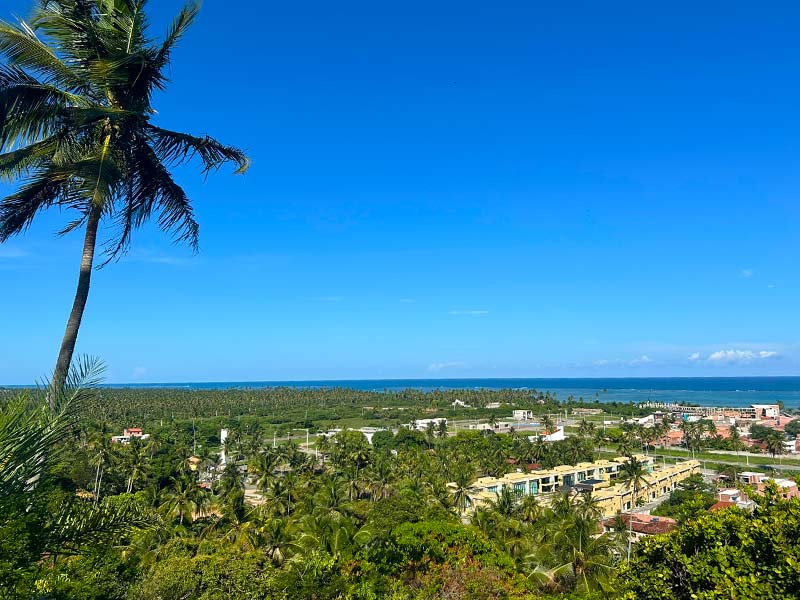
704,391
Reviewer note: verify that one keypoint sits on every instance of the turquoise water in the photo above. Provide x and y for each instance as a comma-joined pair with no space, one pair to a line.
706,391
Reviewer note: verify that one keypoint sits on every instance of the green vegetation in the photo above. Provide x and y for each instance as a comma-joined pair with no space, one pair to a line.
727,554
358,521
692,498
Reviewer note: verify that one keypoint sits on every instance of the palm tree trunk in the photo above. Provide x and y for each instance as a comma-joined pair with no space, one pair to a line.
81,294
630,524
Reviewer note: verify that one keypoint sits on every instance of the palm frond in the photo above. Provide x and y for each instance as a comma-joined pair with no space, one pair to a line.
29,109
80,524
22,48
176,30
151,189
30,432
18,210
21,162
177,148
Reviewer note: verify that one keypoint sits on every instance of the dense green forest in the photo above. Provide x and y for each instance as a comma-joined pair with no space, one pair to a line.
344,520
286,408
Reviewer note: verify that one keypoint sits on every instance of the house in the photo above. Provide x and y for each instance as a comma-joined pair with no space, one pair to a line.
673,437
732,497
128,434
553,436
523,415
759,481
492,405
499,427
459,404
423,424
640,524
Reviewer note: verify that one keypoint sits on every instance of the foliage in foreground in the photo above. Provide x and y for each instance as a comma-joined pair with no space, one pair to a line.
727,554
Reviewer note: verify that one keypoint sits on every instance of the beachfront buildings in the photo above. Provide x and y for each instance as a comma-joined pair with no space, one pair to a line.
600,478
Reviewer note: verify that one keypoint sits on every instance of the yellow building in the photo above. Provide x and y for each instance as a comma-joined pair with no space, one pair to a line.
598,477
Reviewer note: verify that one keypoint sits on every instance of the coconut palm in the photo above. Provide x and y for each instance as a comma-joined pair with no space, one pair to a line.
548,425
633,475
276,539
184,499
775,443
462,497
586,428
76,131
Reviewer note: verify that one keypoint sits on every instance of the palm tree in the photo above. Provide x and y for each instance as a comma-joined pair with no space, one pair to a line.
137,459
277,540
183,499
76,131
625,446
548,425
633,475
586,428
775,443
462,497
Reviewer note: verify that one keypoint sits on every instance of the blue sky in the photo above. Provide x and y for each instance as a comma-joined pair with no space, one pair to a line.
455,190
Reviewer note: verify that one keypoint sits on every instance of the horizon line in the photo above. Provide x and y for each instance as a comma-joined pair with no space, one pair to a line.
172,384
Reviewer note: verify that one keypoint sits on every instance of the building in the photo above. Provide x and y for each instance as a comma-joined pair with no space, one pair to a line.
640,524
554,436
128,434
499,427
523,415
368,432
759,481
598,478
459,403
732,497
754,412
423,424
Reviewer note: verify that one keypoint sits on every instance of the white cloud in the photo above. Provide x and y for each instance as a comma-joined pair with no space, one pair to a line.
469,312
747,273
731,356
407,300
694,356
642,360
436,367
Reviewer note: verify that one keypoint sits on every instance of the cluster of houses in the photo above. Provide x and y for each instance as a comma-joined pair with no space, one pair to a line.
765,415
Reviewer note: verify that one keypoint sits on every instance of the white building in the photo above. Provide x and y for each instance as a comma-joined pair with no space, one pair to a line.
555,436
523,415
422,424
128,434
766,411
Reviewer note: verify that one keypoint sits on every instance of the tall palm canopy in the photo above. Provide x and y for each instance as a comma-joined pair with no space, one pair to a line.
76,132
